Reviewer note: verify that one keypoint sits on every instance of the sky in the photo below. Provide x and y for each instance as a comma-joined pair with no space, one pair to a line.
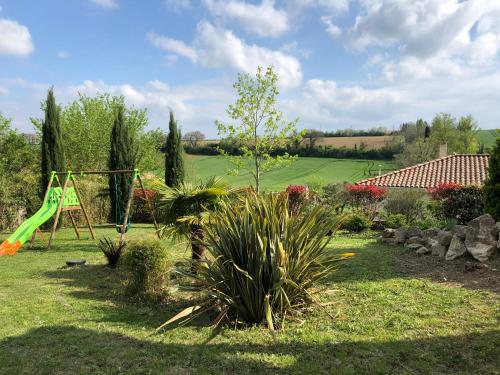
341,63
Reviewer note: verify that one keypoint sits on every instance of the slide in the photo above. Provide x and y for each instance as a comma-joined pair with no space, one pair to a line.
48,209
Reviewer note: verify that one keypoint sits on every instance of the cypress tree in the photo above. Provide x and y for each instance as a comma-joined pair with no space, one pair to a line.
491,188
52,150
174,162
122,155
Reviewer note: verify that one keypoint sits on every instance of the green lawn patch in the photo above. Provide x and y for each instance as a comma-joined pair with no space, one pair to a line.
324,170
57,320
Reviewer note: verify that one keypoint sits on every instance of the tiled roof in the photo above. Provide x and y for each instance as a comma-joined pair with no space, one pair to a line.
461,169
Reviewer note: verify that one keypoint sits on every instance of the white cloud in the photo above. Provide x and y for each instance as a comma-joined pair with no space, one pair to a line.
63,55
4,90
262,19
331,6
215,47
15,39
331,28
178,5
106,3
173,45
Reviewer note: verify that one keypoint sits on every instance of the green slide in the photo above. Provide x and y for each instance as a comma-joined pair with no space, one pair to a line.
48,209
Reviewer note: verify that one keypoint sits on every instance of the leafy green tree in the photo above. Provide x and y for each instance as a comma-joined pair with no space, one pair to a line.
122,156
261,128
86,124
492,186
52,148
444,130
174,162
19,176
467,131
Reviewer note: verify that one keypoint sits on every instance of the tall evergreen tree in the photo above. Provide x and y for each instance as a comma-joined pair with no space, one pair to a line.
52,158
122,156
174,162
492,186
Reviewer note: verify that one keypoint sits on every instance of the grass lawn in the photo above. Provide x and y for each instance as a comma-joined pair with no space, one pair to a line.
487,137
324,170
79,321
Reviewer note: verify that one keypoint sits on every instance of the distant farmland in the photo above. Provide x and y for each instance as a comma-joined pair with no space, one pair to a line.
303,171
370,142
487,137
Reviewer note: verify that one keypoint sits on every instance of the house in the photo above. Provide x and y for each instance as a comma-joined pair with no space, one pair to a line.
464,169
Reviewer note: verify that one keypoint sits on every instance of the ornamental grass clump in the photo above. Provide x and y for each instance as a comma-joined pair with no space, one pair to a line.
262,263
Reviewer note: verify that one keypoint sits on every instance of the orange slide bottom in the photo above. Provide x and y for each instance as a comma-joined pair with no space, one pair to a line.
7,248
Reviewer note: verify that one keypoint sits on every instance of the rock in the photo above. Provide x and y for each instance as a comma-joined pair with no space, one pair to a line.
400,235
415,239
481,251
413,232
498,244
460,231
482,221
457,248
436,248
388,233
413,246
423,250
444,237
496,230
388,241
431,232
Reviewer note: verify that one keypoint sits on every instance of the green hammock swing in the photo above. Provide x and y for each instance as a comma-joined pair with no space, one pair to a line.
119,211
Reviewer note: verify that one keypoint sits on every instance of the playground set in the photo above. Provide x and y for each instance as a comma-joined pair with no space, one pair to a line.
65,198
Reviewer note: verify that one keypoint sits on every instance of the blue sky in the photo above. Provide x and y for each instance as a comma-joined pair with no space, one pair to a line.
342,63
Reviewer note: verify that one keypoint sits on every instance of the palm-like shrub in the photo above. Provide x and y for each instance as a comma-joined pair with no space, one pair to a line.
185,210
263,262
112,250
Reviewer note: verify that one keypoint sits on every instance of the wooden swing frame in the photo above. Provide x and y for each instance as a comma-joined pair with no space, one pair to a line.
70,176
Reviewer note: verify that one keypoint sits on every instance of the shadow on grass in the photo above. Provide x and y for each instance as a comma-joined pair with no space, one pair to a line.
103,284
65,349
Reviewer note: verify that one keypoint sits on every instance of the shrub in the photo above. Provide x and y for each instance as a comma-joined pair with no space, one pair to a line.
146,260
112,250
142,209
492,185
297,196
407,202
394,220
263,261
364,197
460,203
356,222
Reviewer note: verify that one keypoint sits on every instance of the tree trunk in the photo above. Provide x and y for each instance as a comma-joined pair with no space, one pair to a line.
197,246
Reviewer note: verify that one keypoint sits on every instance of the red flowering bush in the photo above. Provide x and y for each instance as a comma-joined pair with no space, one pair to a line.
443,190
297,195
364,197
461,203
141,209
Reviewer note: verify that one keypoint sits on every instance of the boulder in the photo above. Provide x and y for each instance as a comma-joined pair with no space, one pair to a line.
481,251
415,239
460,231
431,232
413,246
444,237
423,250
483,221
496,230
413,232
457,248
400,235
388,241
388,233
436,248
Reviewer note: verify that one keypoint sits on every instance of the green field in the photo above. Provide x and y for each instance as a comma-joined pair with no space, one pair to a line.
487,137
375,319
303,171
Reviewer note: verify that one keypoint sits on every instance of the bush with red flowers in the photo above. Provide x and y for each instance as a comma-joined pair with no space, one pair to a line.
297,196
141,210
364,197
461,203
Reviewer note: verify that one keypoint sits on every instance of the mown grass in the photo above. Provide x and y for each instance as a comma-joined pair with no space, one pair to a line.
303,171
79,321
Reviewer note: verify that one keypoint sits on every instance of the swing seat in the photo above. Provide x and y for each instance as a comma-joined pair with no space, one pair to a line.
119,227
